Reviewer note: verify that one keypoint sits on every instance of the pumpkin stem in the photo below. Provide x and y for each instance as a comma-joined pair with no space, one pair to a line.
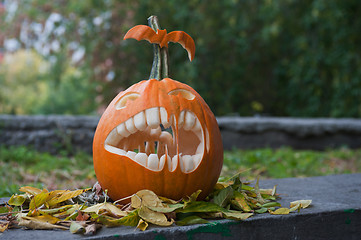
160,60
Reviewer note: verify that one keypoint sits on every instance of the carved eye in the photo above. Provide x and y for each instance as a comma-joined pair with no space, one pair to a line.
183,92
123,100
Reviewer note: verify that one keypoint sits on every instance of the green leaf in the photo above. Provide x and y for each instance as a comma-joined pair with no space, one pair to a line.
200,206
224,196
261,210
168,208
4,209
132,219
194,219
271,204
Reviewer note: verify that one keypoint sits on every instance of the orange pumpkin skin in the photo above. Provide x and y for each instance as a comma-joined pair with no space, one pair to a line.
122,176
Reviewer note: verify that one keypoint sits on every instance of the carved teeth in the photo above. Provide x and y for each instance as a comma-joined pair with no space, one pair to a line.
140,122
141,158
129,124
145,139
153,162
189,121
186,163
152,116
164,117
122,130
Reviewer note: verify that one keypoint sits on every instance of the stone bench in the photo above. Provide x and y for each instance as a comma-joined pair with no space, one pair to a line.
335,213
54,133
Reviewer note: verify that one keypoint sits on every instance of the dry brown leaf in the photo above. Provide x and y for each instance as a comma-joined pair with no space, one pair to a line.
91,229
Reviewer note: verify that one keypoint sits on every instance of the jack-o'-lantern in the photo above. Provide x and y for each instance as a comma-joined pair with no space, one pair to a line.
159,134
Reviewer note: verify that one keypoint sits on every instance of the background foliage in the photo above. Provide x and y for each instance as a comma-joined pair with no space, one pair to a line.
271,57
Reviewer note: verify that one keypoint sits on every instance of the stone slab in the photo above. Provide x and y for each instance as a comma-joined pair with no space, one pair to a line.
335,214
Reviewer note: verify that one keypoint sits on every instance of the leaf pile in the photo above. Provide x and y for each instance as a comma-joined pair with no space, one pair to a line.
84,211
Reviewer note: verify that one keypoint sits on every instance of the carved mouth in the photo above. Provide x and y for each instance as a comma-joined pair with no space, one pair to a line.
150,139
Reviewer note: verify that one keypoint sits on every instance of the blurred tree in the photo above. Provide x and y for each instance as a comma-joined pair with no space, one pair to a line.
276,57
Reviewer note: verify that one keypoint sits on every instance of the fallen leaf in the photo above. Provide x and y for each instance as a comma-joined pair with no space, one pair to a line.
194,196
271,204
109,207
3,226
66,195
167,200
77,227
145,198
224,196
167,208
194,219
31,190
17,200
304,203
55,210
280,211
236,215
39,225
240,202
5,209
201,206
154,217
82,216
38,200
142,225
296,208
91,229
131,219
44,218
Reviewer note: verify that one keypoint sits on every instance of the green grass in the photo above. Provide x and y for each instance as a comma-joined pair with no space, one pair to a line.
21,166
286,162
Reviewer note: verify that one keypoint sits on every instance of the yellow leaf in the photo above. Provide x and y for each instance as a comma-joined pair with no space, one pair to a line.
145,198
31,190
38,200
64,195
167,200
280,211
304,203
39,225
221,185
142,225
17,200
109,207
4,226
44,218
54,210
154,217
240,202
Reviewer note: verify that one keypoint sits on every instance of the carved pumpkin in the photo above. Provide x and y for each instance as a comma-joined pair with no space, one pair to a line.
158,135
